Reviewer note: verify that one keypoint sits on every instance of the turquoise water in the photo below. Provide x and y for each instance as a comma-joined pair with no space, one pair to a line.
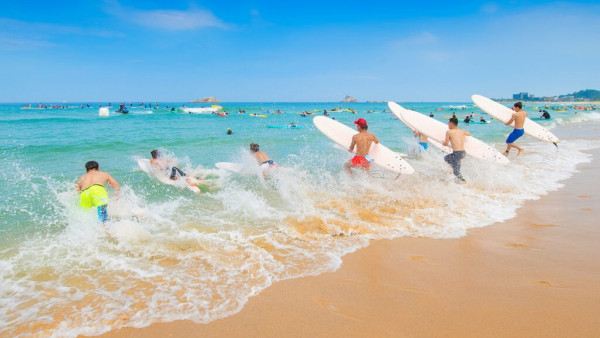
168,254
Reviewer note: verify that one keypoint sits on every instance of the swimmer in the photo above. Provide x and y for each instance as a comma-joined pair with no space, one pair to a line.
362,141
229,131
519,119
92,191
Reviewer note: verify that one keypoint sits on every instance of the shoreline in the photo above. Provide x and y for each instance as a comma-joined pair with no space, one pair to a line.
537,274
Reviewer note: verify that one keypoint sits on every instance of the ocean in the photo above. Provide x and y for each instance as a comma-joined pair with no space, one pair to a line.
167,254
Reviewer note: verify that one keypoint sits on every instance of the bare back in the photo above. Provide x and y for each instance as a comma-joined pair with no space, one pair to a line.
260,157
519,118
96,177
456,137
363,141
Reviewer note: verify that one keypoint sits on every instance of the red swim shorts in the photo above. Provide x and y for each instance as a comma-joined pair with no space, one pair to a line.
360,161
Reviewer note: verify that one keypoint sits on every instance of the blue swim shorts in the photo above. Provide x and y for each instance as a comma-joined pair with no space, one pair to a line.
515,135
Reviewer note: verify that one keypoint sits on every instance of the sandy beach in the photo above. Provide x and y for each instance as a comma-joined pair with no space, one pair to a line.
536,275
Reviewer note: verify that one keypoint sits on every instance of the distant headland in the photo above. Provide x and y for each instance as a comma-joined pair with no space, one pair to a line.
349,98
207,99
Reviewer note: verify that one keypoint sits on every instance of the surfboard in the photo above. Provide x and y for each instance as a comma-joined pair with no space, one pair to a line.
240,168
342,135
504,114
284,127
541,119
436,131
103,112
433,142
146,167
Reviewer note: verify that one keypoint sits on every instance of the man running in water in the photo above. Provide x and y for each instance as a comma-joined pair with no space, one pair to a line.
260,156
362,141
93,193
456,137
519,119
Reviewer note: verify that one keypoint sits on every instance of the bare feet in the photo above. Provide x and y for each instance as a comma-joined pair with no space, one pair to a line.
506,153
520,151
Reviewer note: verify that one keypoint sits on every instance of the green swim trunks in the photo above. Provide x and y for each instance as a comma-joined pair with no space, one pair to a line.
93,196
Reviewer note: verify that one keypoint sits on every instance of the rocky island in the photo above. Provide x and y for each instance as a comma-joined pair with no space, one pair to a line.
349,98
207,99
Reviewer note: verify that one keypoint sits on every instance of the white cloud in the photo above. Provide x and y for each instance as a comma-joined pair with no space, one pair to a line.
167,19
424,38
11,44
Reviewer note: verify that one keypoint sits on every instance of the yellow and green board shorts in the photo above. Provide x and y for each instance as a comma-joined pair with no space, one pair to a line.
93,196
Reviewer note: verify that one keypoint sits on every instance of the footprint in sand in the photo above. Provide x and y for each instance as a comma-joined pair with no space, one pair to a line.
546,283
586,209
418,258
584,196
519,246
327,304
535,225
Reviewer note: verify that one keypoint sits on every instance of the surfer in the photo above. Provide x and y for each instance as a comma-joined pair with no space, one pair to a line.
456,137
482,120
519,119
260,156
422,139
545,115
362,141
92,191
169,167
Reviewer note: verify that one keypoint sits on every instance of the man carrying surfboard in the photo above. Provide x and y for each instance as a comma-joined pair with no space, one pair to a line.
519,119
456,137
362,141
92,191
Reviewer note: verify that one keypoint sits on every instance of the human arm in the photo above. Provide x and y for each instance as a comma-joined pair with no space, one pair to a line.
114,184
467,133
512,119
375,139
78,186
351,149
447,140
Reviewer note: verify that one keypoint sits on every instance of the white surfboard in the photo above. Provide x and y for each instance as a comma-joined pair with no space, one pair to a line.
240,168
503,114
103,112
436,130
435,143
342,135
146,167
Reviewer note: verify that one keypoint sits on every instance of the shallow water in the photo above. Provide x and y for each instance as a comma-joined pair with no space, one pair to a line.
167,254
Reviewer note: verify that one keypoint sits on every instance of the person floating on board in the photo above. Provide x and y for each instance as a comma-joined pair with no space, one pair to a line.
260,156
170,168
229,131
456,137
362,141
545,115
467,119
519,119
422,139
431,115
292,125
482,120
92,191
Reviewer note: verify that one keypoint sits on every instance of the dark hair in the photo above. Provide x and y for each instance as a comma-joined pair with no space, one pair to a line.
254,147
155,154
366,127
454,121
91,165
518,105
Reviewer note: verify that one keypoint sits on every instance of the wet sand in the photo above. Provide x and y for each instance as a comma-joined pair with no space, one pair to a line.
536,275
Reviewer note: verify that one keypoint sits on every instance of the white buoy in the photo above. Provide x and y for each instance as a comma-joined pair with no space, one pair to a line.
103,112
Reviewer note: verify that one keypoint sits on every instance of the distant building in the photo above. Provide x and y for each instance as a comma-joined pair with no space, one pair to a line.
521,96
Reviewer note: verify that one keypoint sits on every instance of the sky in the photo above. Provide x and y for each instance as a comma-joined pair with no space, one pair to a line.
295,51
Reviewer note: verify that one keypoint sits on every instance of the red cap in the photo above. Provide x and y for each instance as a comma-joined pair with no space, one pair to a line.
361,122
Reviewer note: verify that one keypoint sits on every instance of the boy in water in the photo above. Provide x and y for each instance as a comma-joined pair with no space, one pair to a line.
260,156
171,168
519,119
93,193
422,139
456,137
362,141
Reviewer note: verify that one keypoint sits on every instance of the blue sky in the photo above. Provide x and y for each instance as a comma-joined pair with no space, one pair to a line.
118,50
